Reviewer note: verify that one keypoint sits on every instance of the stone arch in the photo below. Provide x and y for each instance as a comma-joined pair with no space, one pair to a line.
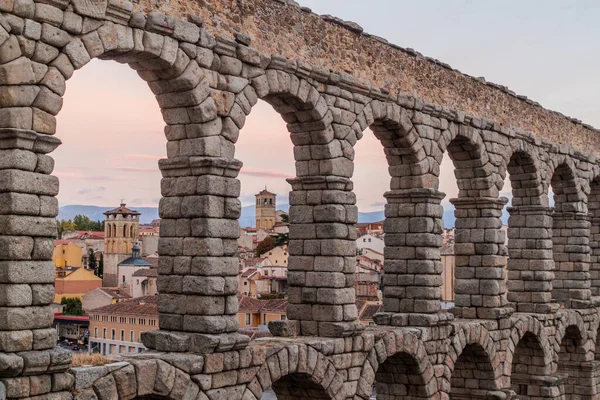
562,176
593,206
322,188
399,366
528,358
317,149
474,364
475,174
525,172
570,235
574,350
140,379
412,186
403,146
572,327
529,278
296,372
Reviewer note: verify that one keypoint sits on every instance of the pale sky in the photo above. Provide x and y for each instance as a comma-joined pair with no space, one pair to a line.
548,50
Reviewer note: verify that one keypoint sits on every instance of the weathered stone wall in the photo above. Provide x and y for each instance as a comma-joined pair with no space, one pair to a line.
330,43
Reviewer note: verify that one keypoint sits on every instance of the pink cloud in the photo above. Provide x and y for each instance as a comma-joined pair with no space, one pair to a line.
136,169
265,173
136,157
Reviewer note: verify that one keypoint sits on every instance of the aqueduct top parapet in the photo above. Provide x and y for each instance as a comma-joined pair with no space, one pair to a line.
283,27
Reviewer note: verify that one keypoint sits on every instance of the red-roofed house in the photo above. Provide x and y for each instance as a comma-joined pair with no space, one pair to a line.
116,328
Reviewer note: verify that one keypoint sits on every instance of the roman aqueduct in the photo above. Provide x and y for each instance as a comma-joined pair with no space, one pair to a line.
523,328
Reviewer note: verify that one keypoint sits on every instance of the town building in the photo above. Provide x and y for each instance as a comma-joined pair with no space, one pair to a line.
67,254
103,296
74,282
72,327
247,237
116,328
255,313
121,233
143,282
278,255
369,228
367,279
266,214
448,260
149,239
128,267
371,242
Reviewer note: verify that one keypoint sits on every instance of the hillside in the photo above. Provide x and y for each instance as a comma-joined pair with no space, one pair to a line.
247,218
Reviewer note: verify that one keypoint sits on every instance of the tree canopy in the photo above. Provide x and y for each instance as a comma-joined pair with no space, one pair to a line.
265,245
72,306
79,223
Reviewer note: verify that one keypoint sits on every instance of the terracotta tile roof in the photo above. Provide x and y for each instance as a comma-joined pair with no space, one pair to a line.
153,261
275,305
248,272
139,306
360,304
90,235
249,304
252,305
122,210
370,310
147,272
115,292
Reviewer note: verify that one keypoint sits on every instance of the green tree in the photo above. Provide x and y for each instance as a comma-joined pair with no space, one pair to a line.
282,239
99,272
72,306
284,217
64,226
265,245
92,260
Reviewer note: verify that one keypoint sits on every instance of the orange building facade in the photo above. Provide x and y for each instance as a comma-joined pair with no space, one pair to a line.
117,328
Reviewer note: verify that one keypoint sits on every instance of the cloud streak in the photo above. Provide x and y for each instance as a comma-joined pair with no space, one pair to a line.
136,157
265,173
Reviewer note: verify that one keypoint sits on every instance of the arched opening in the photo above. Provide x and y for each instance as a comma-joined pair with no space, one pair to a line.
400,377
528,368
570,357
322,208
530,264
371,182
570,241
473,375
265,148
593,205
597,346
480,243
295,387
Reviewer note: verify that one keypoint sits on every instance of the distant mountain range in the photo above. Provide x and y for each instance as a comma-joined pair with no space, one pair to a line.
247,219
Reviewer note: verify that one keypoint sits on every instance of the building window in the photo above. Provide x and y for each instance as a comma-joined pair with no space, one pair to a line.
131,336
245,283
104,333
369,240
96,332
142,321
264,319
247,319
283,317
112,334
266,273
122,335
